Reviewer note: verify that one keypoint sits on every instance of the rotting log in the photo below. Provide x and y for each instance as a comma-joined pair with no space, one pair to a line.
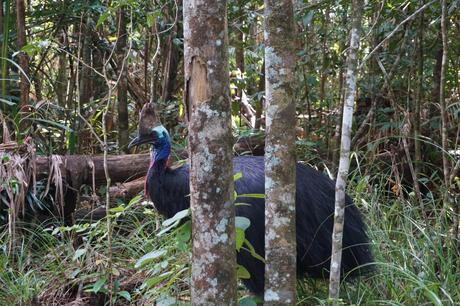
89,170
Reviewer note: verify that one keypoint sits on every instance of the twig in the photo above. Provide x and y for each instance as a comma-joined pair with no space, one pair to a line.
396,29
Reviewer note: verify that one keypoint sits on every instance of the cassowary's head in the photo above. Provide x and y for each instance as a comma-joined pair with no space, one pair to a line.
150,130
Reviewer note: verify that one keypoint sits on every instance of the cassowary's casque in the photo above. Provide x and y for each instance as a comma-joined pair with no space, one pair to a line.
169,188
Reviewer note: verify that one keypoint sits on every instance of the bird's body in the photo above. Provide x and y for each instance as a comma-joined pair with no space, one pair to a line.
169,191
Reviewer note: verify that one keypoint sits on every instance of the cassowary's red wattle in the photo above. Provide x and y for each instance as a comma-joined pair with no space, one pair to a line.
169,189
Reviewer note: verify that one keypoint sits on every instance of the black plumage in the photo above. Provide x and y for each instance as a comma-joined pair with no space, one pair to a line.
169,189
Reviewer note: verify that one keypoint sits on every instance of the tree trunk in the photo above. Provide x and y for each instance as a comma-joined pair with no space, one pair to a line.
442,98
207,99
260,101
4,52
23,58
84,80
418,98
122,86
338,120
344,164
280,159
436,76
61,82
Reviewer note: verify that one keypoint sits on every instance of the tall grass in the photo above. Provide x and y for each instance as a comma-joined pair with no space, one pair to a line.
416,258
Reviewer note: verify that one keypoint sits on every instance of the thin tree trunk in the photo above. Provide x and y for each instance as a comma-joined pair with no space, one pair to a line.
207,99
260,102
122,86
419,98
436,77
280,159
23,58
344,164
85,79
442,98
338,121
4,52
38,87
61,82
323,78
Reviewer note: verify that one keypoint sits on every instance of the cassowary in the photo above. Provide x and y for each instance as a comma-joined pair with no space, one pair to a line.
169,189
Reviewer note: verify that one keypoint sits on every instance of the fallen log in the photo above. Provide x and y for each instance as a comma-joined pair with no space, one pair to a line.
128,190
122,191
89,170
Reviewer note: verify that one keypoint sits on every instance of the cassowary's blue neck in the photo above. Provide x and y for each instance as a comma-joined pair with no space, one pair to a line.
161,152
159,159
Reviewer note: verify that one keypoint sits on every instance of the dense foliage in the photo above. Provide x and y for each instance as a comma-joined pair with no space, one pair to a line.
77,52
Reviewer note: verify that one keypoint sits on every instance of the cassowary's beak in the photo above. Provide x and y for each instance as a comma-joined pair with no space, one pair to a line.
141,139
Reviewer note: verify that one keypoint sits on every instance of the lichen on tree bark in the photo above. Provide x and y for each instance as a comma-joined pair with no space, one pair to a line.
280,160
350,94
207,100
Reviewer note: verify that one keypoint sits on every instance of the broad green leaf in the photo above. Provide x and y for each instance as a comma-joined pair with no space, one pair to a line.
98,285
177,217
117,209
239,239
102,18
185,232
153,281
242,272
135,200
30,49
125,294
148,257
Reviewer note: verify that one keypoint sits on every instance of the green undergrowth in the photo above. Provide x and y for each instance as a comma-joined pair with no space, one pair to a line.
416,257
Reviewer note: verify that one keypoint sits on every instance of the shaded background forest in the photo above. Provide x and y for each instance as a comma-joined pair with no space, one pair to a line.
64,64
